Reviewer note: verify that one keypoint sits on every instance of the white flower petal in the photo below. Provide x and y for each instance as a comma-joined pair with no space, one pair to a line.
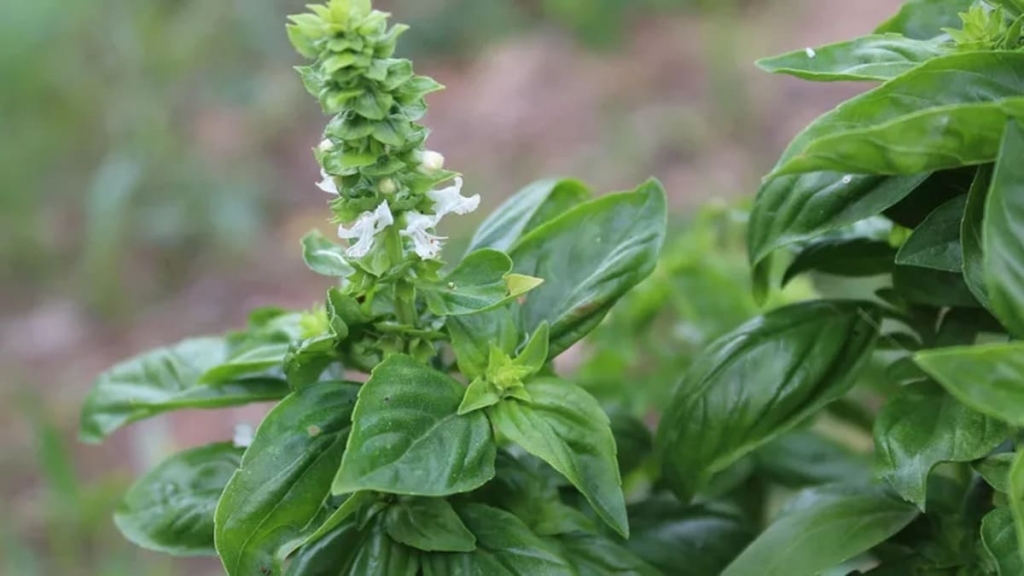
450,200
426,245
365,228
327,184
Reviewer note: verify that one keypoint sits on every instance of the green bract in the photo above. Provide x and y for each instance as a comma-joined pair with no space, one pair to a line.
863,420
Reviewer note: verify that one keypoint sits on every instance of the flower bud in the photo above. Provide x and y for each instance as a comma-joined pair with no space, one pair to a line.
431,161
325,146
387,186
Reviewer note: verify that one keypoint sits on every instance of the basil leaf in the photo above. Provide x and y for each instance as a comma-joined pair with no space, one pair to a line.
526,210
292,459
701,538
924,19
923,426
1004,233
251,361
353,551
851,257
593,555
999,540
791,209
804,458
827,528
170,509
407,438
935,244
995,470
566,427
971,236
473,334
167,379
931,287
429,524
940,187
480,282
589,257
757,382
633,440
1016,498
986,378
937,103
325,257
505,547
874,57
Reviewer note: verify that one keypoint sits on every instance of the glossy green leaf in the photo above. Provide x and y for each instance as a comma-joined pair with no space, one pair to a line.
593,555
681,540
505,547
167,379
995,469
804,458
252,361
525,210
873,57
478,283
407,438
825,528
353,551
988,378
170,509
293,458
325,257
429,524
931,287
935,244
999,540
633,440
564,426
588,257
791,209
851,257
757,382
935,116
971,236
924,426
939,188
1016,498
1004,232
473,334
924,19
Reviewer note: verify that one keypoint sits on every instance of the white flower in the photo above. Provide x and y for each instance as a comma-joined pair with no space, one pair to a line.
426,245
327,184
243,436
450,199
365,228
431,161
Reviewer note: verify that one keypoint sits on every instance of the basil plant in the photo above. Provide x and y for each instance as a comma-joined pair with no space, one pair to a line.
867,426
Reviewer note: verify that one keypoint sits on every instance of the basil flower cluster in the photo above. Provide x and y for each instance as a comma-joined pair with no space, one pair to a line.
373,156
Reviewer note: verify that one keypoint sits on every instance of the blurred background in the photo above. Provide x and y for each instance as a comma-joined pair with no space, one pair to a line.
156,175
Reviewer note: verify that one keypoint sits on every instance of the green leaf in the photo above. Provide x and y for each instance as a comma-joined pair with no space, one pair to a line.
988,378
480,394
473,334
826,528
971,236
850,257
505,547
408,439
703,538
791,209
924,19
923,426
1016,497
252,361
935,116
564,426
167,379
633,440
804,458
429,524
995,470
325,257
593,555
935,244
478,283
293,458
353,551
589,256
757,382
999,540
525,210
931,287
874,57
170,509
939,188
1003,233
